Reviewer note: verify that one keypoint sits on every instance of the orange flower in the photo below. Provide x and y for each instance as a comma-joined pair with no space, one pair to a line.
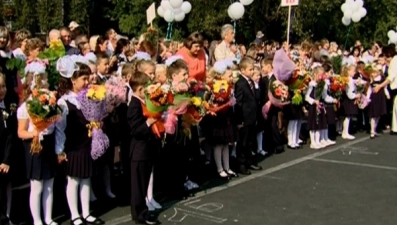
278,92
53,101
42,99
35,93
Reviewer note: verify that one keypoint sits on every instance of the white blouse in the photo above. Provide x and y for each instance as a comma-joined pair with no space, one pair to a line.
60,126
369,91
325,96
22,114
351,89
308,98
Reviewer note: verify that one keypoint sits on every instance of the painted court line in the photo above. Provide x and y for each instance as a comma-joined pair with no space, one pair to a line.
255,175
355,164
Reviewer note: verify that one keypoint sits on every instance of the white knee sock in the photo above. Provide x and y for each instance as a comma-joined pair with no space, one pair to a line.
85,186
291,132
9,200
149,194
297,132
259,139
47,200
326,138
106,180
234,150
346,126
373,125
225,157
312,138
36,189
218,157
376,123
72,196
317,136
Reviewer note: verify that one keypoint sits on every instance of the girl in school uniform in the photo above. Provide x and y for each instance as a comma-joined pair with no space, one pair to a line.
316,121
8,136
222,127
40,167
377,107
349,108
72,144
329,107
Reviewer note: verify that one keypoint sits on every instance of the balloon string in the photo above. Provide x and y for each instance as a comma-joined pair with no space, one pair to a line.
347,36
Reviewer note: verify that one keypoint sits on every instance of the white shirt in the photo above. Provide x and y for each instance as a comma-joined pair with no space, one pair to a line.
22,114
18,53
60,126
351,89
393,73
325,96
2,105
308,98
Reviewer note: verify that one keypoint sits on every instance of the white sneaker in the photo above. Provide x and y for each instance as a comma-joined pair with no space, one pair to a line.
315,146
331,142
262,152
324,144
155,204
348,137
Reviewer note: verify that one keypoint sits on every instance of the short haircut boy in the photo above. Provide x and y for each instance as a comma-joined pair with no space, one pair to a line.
138,79
245,62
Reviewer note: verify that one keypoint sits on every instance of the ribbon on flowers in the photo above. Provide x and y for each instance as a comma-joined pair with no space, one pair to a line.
215,109
40,125
172,117
272,101
91,126
158,126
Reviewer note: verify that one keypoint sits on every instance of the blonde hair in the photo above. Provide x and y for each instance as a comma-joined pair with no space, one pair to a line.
128,69
317,71
20,36
32,44
29,77
212,73
160,68
245,62
345,70
4,32
93,40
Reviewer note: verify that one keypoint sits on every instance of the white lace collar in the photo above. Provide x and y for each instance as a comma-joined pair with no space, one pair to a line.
4,54
72,98
18,53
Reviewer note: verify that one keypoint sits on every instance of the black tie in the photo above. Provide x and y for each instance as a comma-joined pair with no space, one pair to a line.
251,83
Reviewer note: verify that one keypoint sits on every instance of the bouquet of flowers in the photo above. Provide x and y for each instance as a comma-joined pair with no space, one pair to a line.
43,111
179,106
116,92
318,92
361,86
52,54
219,97
278,96
338,86
297,84
93,106
157,100
197,88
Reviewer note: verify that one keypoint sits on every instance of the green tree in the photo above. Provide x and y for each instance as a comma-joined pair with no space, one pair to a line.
25,14
50,14
77,10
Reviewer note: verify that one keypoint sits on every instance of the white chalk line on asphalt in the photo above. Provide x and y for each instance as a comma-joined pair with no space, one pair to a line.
355,164
127,218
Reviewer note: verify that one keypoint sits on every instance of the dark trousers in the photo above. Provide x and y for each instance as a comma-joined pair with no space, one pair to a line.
3,199
140,176
245,144
363,120
274,138
126,164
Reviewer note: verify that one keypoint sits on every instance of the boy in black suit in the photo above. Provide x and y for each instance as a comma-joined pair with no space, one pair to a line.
142,150
246,115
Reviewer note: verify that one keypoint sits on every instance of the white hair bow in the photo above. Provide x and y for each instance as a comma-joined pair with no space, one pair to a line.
220,66
80,59
172,59
141,56
35,68
66,66
91,57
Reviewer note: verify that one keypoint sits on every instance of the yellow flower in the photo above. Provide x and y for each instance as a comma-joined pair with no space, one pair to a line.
96,92
196,101
220,84
55,43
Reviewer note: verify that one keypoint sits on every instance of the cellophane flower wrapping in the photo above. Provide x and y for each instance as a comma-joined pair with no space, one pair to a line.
297,84
43,111
115,93
278,96
180,90
158,98
93,107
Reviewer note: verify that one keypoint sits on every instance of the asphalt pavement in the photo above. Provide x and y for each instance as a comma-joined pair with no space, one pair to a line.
352,183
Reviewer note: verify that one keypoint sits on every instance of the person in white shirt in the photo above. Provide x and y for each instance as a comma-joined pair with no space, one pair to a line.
223,51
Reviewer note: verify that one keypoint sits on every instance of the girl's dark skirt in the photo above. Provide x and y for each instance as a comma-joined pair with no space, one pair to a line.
316,121
79,164
330,113
378,105
43,165
349,108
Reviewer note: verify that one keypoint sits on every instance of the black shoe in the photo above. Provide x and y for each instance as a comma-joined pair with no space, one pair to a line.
255,167
244,170
97,221
290,147
74,221
372,136
231,173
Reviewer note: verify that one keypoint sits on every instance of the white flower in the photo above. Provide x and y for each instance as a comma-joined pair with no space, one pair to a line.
5,115
165,88
47,108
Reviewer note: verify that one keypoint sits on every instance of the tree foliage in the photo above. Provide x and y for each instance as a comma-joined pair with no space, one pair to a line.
50,14
25,14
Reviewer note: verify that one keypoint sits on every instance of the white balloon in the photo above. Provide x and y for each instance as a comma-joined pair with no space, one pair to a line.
354,6
394,36
166,5
180,16
344,7
346,21
176,3
349,2
356,17
160,11
390,33
348,14
229,12
360,3
246,2
237,9
169,16
363,12
186,7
